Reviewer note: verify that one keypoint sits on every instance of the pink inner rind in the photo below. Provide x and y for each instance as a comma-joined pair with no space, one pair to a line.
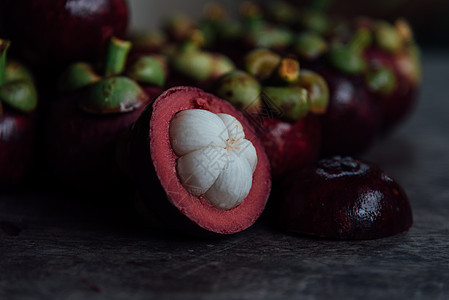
164,159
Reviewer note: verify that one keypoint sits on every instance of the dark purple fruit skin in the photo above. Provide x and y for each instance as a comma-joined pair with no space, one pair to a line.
352,120
397,105
55,32
81,147
16,146
290,146
344,198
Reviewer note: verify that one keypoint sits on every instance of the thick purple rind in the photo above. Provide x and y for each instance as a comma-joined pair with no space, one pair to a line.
365,203
161,198
152,200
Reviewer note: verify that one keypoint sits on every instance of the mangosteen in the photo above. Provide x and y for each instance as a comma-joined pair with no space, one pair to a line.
343,198
18,100
84,125
394,72
197,163
353,118
283,103
49,33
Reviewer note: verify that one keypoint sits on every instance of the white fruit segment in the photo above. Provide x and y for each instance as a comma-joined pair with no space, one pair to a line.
215,160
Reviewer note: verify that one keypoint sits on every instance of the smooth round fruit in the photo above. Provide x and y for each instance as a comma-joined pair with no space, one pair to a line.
344,198
397,104
352,120
290,146
154,165
16,146
81,147
52,33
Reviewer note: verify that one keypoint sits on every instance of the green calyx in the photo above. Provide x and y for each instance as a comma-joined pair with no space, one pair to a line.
116,94
201,65
381,80
148,70
149,40
241,89
17,89
15,71
310,45
113,92
348,58
261,63
269,36
77,76
287,71
318,91
292,102
387,37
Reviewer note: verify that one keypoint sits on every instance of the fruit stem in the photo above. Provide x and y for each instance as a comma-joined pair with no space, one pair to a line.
4,45
116,55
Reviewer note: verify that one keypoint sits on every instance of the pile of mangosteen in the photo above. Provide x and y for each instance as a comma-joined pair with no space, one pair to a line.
211,122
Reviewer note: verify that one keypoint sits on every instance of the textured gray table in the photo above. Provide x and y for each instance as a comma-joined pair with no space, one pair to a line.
52,248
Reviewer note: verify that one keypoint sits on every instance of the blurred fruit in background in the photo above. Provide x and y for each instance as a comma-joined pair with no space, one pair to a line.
429,19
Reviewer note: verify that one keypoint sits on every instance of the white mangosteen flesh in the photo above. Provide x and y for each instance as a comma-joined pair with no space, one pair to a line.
215,161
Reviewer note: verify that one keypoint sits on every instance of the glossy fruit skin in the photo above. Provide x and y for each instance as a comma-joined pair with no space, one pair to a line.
52,33
290,146
352,120
81,147
162,200
16,146
397,105
344,198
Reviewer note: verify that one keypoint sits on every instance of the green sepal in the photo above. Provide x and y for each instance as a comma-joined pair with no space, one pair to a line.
20,95
201,65
261,63
15,71
291,101
381,80
147,70
76,76
387,37
310,45
241,89
193,64
287,71
113,95
345,59
317,88
269,36
148,40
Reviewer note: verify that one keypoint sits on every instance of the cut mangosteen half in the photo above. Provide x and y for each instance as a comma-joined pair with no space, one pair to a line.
198,163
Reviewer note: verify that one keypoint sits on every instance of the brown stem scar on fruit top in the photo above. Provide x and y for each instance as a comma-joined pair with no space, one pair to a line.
215,161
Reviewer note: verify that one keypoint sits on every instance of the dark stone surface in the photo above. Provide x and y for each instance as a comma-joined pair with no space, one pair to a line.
53,248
